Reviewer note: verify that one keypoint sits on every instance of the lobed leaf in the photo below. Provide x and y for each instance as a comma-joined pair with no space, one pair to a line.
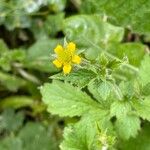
141,142
81,136
80,78
142,107
120,109
128,126
65,100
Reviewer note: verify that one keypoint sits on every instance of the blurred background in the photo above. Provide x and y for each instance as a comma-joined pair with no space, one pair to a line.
29,31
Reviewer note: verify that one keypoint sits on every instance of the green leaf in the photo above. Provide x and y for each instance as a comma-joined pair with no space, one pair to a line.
13,16
87,135
80,78
141,142
58,5
92,52
103,119
10,120
54,23
120,108
101,92
9,57
142,107
17,19
128,126
87,29
11,82
134,51
93,89
104,90
146,89
117,91
35,136
49,27
43,47
66,100
130,88
16,102
11,143
132,14
81,136
3,47
144,73
103,60
39,55
31,6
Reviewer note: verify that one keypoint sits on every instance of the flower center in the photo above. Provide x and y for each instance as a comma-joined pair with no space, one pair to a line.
65,57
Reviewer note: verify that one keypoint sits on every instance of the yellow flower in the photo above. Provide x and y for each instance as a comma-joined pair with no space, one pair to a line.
66,57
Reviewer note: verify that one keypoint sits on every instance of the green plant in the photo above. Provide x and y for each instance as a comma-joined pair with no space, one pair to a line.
105,92
91,93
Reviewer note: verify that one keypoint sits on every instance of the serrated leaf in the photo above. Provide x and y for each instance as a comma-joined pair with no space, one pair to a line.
117,91
130,88
103,60
142,107
103,119
141,142
127,88
120,108
128,126
81,136
80,78
144,73
146,89
104,90
66,100
93,89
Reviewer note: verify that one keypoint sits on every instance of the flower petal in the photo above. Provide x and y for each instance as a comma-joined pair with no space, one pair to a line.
57,63
58,49
71,46
67,69
76,59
